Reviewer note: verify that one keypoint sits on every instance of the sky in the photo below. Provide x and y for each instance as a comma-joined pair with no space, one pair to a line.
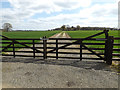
50,14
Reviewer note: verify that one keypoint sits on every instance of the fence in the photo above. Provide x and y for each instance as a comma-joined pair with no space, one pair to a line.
114,54
44,50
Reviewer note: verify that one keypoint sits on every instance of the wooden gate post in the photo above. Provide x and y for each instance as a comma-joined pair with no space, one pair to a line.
33,48
106,33
80,50
106,37
56,48
109,50
13,48
45,47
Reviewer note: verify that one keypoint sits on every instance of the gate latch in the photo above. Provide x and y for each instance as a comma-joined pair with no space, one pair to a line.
44,38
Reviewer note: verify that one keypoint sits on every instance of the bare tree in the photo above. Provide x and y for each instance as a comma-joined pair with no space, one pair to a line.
7,27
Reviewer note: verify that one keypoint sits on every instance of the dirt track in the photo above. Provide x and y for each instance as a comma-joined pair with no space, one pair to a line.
37,73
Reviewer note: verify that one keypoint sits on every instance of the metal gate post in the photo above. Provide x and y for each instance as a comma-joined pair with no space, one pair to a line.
109,50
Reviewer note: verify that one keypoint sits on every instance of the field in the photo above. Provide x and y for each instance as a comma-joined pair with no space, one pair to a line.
83,34
73,34
27,34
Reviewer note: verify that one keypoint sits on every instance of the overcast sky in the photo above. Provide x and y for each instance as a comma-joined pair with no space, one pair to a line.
49,14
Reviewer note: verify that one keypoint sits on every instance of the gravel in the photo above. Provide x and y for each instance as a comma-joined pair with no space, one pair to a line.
51,73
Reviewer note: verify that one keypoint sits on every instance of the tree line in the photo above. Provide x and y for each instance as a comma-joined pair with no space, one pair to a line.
72,28
8,27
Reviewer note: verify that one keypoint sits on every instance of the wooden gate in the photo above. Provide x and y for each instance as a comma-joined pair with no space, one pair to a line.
50,47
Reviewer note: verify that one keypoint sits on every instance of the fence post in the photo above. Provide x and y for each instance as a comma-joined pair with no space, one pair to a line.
56,48
109,50
80,50
13,48
106,33
33,48
45,47
106,37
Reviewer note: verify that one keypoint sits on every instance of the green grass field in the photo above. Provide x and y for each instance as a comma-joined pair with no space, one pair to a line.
73,34
27,34
83,34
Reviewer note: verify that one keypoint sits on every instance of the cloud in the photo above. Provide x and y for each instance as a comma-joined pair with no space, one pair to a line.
89,15
72,4
49,5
